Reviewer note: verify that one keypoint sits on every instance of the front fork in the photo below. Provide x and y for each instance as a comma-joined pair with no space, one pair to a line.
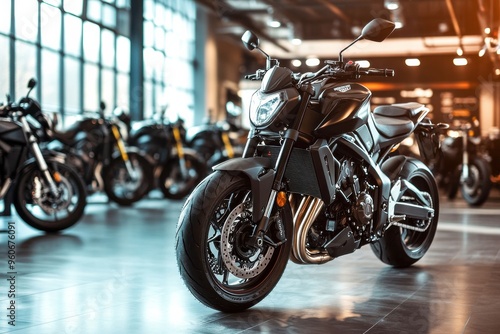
51,179
180,151
289,138
465,158
123,153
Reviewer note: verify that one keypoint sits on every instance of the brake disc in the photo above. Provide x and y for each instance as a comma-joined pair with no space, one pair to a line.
46,202
241,261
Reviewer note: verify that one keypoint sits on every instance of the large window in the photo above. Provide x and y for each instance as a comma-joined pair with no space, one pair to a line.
80,53
169,39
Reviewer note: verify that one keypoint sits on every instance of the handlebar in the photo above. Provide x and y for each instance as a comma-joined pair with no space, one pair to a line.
376,72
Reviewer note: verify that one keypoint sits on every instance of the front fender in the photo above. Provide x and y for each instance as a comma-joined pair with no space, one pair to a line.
261,176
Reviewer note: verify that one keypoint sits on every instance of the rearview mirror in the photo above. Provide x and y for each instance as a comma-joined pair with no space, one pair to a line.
377,30
31,83
250,40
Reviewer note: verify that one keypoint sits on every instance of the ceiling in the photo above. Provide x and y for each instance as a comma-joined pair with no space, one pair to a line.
325,26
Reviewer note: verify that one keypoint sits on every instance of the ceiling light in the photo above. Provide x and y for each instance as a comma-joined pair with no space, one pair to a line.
296,62
391,4
460,52
459,61
312,62
487,30
412,62
274,24
497,71
482,52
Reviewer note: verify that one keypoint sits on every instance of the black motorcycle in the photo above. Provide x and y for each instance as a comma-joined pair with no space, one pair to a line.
47,194
315,182
216,142
492,147
177,168
95,146
462,166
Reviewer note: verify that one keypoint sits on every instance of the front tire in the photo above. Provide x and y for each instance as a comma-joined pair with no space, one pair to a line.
176,186
121,187
38,207
218,267
476,188
402,247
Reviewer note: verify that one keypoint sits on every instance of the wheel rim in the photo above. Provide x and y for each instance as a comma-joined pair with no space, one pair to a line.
124,186
176,183
233,266
42,205
472,184
414,241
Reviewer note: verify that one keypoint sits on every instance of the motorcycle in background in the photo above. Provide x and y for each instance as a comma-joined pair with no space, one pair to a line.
177,168
216,142
462,166
48,194
492,147
316,181
95,146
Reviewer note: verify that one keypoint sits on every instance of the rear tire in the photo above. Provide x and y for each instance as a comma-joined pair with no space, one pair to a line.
401,247
217,266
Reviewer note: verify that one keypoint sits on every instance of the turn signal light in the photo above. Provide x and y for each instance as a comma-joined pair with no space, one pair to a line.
57,177
281,199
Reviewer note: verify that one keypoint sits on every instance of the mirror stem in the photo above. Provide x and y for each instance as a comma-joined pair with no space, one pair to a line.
341,59
268,59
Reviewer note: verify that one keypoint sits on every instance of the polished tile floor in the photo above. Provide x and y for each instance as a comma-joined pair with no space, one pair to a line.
115,272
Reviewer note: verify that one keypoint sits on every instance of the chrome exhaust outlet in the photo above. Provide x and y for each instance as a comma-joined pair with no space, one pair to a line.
303,218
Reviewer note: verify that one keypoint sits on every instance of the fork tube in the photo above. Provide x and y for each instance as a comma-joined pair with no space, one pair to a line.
123,152
290,137
465,156
180,151
35,149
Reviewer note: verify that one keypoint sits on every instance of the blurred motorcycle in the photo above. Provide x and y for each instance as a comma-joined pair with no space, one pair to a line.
462,166
177,168
217,142
47,194
95,145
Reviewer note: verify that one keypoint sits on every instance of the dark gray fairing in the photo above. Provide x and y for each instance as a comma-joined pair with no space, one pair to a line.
276,78
309,171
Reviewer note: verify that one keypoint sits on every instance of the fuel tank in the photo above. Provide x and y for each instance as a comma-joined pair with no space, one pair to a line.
346,107
12,133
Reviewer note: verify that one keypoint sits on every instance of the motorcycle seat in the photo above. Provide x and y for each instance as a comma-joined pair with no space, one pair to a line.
66,137
410,110
391,127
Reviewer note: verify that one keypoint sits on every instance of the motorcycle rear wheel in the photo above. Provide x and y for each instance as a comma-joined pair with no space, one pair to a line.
402,247
476,189
119,185
36,205
217,266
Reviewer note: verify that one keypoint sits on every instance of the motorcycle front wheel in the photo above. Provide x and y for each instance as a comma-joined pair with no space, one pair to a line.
476,188
173,184
40,208
401,247
123,188
218,265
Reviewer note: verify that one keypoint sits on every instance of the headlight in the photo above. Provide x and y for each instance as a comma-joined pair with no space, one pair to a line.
264,108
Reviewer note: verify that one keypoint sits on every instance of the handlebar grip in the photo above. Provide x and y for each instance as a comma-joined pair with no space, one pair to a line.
378,72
